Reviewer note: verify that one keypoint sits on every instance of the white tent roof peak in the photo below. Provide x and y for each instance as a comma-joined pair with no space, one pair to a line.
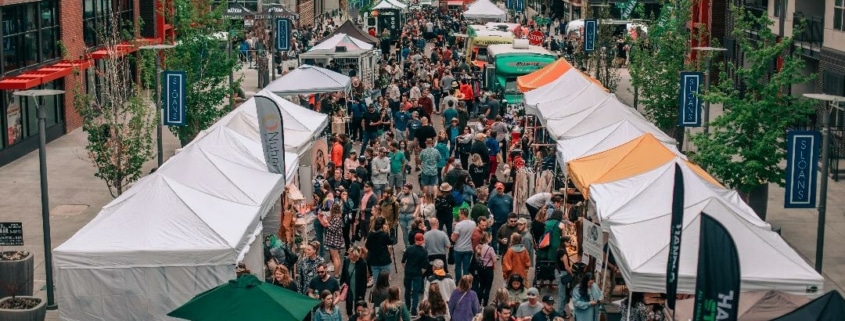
484,9
342,40
390,4
167,210
567,85
602,140
767,261
309,79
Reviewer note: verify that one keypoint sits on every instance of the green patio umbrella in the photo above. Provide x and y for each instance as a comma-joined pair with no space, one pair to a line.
246,299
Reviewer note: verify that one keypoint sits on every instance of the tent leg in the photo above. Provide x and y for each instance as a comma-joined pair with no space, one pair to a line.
630,295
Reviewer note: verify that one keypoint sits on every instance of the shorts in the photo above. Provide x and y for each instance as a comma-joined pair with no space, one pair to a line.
428,180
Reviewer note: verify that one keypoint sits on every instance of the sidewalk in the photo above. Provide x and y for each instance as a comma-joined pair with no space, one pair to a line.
76,196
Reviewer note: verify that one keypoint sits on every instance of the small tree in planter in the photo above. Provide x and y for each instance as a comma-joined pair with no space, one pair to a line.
20,307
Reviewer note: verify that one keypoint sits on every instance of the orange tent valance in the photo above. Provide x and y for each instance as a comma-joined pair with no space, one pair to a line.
548,74
643,154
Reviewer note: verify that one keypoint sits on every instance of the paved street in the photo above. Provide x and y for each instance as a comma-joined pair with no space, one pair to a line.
76,197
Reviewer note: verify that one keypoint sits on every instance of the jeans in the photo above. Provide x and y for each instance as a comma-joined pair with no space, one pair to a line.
495,242
462,259
561,292
357,132
318,231
376,270
413,289
485,282
397,180
378,189
405,224
367,137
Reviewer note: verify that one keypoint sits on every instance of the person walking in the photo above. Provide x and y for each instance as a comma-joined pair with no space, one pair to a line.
307,266
463,243
548,312
437,243
393,309
389,209
333,225
516,260
439,276
354,275
378,243
409,208
416,264
283,279
397,166
500,205
586,299
381,171
463,303
429,158
563,274
527,240
443,205
487,257
327,310
528,309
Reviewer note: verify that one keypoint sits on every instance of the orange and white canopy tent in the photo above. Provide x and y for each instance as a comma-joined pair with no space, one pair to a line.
643,154
548,74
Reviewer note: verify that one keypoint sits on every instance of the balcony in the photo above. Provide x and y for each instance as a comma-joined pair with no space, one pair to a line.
809,41
752,13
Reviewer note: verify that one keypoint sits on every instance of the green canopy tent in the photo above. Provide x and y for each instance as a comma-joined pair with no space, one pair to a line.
246,299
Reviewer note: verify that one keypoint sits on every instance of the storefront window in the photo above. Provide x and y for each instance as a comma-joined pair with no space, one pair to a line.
97,15
21,116
21,26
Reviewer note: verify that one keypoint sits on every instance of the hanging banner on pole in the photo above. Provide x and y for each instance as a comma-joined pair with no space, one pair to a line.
174,92
689,100
802,161
283,34
519,5
718,276
271,127
676,228
628,9
591,29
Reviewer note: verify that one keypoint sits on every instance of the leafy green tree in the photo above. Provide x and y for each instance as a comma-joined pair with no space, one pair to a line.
746,144
657,60
118,119
201,52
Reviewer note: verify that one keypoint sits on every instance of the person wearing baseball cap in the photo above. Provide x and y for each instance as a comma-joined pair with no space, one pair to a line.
529,308
415,259
547,313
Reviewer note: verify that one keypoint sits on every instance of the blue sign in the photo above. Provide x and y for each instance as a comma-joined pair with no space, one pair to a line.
689,101
174,93
283,34
509,4
519,5
591,28
802,161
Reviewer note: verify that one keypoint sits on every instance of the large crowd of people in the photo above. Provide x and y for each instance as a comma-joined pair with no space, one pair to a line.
430,188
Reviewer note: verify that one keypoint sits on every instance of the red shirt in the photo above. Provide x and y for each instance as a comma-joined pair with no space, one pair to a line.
466,89
426,104
337,155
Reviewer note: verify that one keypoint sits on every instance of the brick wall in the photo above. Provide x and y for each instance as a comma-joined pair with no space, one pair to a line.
71,20
305,9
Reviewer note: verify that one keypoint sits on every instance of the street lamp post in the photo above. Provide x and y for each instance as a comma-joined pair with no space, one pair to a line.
159,118
830,102
706,119
45,197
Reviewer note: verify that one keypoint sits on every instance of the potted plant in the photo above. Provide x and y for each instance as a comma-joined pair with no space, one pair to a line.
16,307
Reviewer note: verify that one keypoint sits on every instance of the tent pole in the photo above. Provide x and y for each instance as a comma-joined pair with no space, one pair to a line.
604,278
630,295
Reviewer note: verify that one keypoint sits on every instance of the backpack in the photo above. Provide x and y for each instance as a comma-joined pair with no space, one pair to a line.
458,196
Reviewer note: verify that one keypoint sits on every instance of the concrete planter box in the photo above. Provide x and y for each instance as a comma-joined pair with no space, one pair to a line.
20,274
38,313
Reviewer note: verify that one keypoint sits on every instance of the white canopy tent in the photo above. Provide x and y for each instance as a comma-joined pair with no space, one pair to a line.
301,124
307,79
602,140
643,197
352,56
767,262
150,250
568,85
484,9
578,119
390,4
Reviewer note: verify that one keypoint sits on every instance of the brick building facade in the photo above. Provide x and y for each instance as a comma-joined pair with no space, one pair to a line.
52,44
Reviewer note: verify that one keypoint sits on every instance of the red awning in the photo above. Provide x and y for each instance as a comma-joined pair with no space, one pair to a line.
42,75
118,51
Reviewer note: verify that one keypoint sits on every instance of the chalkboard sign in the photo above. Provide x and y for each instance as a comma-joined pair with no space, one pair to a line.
390,19
11,234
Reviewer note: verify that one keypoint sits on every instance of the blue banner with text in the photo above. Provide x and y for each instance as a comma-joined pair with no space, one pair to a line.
802,161
174,93
689,100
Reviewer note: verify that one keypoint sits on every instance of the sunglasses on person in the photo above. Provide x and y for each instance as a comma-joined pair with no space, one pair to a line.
511,221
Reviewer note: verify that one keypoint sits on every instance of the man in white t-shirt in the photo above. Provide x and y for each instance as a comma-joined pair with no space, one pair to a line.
462,236
536,202
529,308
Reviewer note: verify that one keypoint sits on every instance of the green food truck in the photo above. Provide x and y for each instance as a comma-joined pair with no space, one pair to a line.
505,62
